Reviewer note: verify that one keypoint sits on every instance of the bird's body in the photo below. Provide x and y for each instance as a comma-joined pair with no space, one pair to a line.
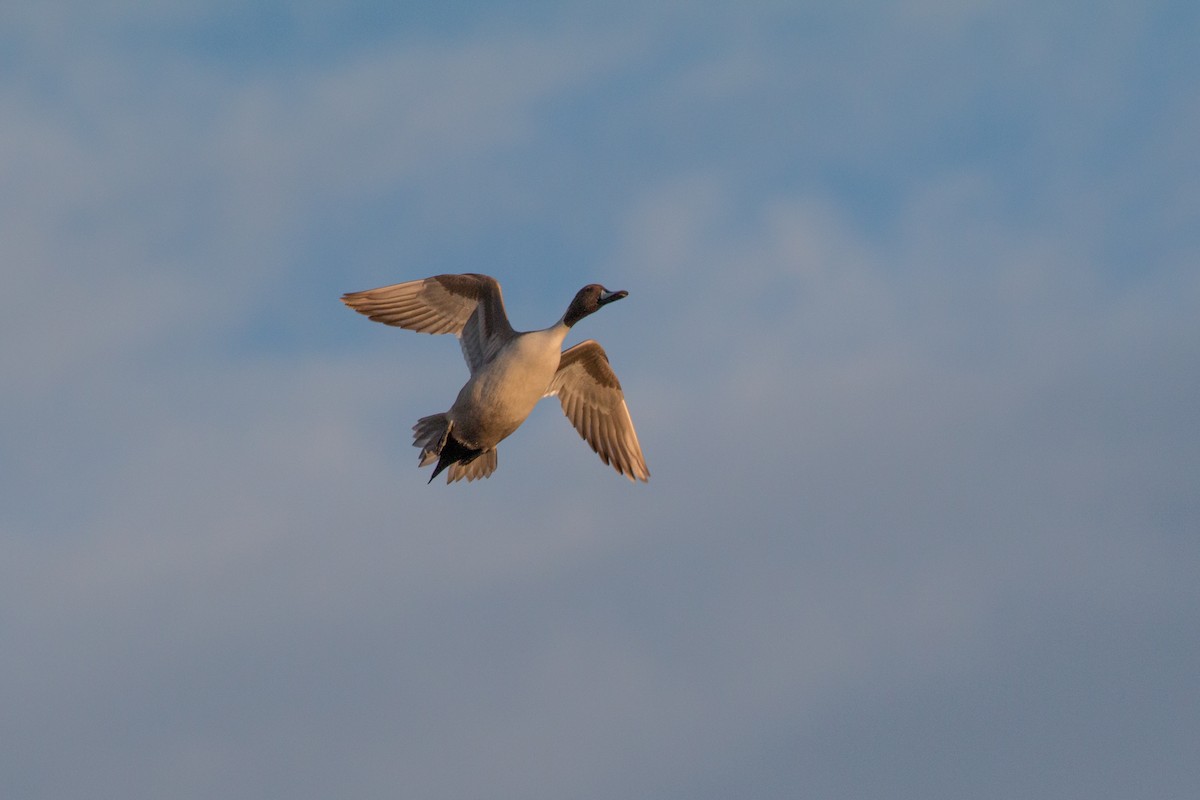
510,372
498,397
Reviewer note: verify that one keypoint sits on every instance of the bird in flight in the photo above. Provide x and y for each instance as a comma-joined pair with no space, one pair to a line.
510,372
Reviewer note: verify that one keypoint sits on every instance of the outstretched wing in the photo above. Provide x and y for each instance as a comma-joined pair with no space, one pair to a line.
592,399
470,306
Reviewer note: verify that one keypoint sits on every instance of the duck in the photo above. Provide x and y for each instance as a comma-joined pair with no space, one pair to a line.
510,371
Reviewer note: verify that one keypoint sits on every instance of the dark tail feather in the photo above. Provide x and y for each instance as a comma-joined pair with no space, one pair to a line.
453,452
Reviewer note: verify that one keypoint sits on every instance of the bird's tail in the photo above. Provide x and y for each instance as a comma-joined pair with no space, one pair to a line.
430,434
433,435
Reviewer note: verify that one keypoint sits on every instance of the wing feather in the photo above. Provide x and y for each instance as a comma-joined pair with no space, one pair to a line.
469,305
592,400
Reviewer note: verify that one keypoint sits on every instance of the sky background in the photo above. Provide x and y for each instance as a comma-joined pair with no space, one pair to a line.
911,344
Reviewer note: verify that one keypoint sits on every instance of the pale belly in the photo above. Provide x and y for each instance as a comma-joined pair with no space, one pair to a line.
497,399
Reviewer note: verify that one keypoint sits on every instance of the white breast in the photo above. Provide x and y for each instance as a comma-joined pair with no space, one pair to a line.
501,394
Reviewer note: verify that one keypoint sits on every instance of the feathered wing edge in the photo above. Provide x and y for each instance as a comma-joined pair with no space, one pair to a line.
592,400
470,306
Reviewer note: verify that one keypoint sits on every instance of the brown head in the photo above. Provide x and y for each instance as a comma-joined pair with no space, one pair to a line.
589,300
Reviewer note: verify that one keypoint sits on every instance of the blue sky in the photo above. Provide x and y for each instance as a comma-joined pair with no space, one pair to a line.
911,346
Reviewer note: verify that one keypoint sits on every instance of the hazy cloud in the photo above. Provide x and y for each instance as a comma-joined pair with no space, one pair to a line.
910,344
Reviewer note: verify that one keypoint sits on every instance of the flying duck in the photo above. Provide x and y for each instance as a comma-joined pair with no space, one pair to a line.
510,372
